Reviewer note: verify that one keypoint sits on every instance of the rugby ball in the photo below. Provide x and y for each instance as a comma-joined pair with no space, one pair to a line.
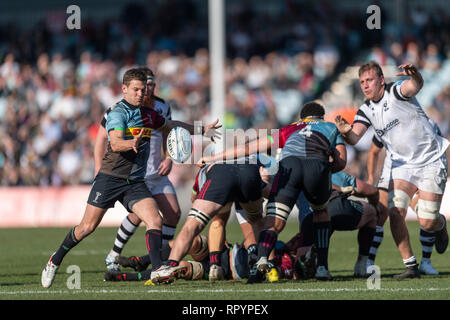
179,144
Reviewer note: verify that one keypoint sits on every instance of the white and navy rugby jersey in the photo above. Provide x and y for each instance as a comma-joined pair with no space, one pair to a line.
403,127
156,139
387,159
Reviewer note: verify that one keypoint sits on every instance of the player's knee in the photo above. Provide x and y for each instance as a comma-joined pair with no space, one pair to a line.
198,217
199,249
428,213
398,199
278,210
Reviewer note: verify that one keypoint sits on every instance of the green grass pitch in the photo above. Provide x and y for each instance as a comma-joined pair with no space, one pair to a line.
25,252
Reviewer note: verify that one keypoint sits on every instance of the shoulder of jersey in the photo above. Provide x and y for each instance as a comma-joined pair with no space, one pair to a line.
159,99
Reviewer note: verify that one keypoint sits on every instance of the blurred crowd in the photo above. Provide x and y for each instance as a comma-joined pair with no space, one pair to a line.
55,84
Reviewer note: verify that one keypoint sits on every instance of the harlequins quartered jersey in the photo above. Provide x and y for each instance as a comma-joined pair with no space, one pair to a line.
403,127
130,119
156,139
310,138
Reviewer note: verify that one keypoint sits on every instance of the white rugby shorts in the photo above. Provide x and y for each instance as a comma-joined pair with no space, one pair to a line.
385,176
430,178
159,185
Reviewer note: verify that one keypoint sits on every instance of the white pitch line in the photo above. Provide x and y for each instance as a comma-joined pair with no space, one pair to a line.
110,291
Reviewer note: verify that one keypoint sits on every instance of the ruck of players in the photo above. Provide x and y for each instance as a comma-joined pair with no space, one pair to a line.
308,171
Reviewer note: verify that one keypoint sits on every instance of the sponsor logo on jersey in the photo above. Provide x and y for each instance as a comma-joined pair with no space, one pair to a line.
132,132
388,127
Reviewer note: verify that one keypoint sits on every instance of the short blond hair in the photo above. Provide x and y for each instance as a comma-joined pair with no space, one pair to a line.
371,65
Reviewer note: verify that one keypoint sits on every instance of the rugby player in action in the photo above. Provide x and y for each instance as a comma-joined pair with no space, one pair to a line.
417,154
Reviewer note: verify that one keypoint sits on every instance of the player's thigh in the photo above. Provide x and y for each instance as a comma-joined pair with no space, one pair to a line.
106,190
169,207
399,198
147,210
316,182
368,217
164,194
250,184
139,199
220,186
287,183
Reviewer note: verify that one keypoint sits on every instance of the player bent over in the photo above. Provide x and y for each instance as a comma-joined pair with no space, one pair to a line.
304,166
219,184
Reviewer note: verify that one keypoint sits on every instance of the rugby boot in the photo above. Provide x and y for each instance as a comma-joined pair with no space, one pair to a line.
410,273
216,273
133,262
49,273
426,268
441,242
323,274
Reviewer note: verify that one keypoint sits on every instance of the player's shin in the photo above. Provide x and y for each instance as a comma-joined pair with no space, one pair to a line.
69,242
153,239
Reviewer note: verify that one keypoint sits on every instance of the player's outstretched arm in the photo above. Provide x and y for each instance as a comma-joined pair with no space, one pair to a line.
412,86
352,133
209,131
255,146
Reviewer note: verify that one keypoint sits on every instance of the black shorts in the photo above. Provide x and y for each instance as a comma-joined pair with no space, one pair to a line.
345,214
312,176
232,182
106,190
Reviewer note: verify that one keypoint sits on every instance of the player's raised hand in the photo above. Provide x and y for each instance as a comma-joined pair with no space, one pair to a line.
408,70
211,130
137,140
342,125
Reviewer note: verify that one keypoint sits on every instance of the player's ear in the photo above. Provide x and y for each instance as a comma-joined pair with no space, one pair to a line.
382,80
124,89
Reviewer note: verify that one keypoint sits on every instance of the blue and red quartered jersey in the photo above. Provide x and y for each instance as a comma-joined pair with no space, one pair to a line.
309,138
131,120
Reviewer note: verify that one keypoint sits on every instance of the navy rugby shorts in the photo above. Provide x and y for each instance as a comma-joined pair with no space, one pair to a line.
231,182
107,189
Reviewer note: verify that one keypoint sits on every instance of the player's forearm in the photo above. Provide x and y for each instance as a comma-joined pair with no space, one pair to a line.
371,160
99,153
121,145
231,153
351,138
412,86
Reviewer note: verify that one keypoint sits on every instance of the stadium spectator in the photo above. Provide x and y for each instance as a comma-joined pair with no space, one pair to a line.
88,65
